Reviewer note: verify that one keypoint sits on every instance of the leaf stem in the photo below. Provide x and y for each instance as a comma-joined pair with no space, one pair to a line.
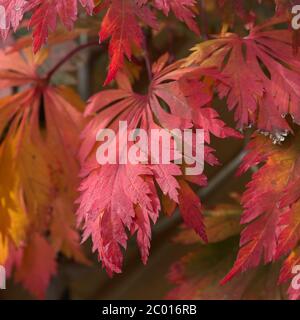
68,57
203,18
147,59
148,66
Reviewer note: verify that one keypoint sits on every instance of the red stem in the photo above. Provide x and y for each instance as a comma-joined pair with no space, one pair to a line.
204,25
148,66
147,59
68,57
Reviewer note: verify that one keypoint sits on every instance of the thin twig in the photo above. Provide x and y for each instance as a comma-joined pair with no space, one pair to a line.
148,66
68,57
147,59
204,26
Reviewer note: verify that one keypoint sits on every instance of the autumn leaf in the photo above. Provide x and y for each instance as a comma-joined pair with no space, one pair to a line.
44,16
271,204
50,141
262,74
232,8
121,22
123,196
221,222
183,10
285,6
121,25
35,265
14,11
38,155
13,220
287,274
197,274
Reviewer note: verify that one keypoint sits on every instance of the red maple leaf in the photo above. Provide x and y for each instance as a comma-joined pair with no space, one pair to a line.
263,78
183,10
122,25
121,22
271,206
44,17
14,11
123,196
